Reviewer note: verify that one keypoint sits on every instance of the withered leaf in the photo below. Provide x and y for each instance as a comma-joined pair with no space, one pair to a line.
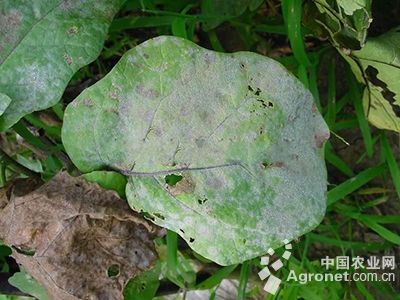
76,239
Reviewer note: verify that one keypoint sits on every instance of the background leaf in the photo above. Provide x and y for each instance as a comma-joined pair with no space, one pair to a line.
27,284
346,22
37,62
379,63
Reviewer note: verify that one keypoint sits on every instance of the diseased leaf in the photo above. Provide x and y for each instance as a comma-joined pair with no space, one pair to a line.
240,130
379,63
345,22
42,44
76,239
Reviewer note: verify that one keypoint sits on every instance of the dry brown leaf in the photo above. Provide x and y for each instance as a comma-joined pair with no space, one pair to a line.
77,231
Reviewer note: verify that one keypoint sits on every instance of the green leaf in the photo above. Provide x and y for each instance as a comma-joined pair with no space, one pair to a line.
350,6
379,61
27,284
345,22
144,286
42,44
108,180
222,10
240,129
4,102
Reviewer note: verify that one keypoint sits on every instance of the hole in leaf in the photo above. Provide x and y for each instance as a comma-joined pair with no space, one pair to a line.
258,92
172,179
143,286
202,201
262,102
265,164
181,230
113,271
191,240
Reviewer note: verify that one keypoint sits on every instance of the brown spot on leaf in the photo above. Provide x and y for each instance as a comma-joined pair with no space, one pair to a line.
276,164
147,92
68,59
88,102
77,237
9,23
209,58
113,95
320,139
73,30
185,185
314,108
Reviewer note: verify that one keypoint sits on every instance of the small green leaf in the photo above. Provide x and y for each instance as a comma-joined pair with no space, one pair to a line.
43,43
27,284
243,133
144,286
108,180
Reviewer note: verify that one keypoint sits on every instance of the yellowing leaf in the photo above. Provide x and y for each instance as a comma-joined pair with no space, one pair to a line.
379,61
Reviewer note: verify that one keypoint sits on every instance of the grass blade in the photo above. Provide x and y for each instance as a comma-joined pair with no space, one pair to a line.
336,161
391,162
244,276
172,251
382,231
362,120
331,107
292,10
216,278
354,183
